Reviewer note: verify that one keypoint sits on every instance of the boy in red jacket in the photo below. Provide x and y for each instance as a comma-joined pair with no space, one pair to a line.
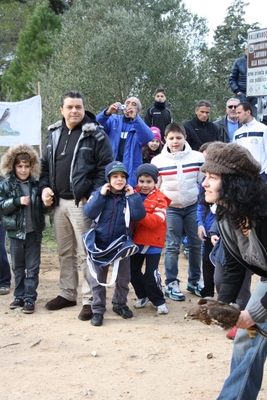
149,234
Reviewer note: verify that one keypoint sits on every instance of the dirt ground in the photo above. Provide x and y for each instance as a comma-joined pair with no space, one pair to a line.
53,355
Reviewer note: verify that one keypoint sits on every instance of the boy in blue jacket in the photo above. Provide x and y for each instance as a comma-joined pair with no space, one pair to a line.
109,202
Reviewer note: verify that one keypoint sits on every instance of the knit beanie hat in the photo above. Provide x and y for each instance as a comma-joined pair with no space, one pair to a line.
230,158
149,169
115,166
156,132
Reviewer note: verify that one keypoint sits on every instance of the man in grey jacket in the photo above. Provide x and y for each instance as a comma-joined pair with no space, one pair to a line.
228,124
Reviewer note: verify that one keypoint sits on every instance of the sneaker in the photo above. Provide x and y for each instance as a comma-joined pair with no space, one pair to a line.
162,309
124,312
97,320
232,333
172,290
28,307
194,289
141,302
16,304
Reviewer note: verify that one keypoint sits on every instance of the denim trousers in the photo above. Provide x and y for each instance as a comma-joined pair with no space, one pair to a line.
25,256
5,273
121,290
70,224
147,284
248,358
178,219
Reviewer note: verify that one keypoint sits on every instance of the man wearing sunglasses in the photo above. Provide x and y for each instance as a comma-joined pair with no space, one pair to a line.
228,124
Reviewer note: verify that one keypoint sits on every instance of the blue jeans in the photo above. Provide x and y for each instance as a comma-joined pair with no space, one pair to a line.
248,358
25,255
177,219
5,273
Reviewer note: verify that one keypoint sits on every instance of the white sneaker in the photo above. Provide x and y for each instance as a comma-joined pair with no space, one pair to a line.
141,302
162,309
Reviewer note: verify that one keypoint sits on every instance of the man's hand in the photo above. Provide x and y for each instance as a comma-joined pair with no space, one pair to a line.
131,112
113,108
47,196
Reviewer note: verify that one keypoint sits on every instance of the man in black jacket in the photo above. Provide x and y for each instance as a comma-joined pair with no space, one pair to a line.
159,115
228,124
73,165
199,130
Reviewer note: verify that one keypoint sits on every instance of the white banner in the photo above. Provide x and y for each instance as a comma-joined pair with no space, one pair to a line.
20,122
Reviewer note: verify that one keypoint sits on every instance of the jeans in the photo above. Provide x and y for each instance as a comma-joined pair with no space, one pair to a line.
70,223
248,358
177,219
5,273
25,255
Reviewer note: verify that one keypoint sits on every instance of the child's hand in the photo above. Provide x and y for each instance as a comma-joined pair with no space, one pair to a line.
105,189
201,232
25,200
128,189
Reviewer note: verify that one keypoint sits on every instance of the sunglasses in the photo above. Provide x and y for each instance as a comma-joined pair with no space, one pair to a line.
232,107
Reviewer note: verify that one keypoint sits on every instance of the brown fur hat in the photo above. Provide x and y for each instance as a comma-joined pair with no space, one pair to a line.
230,158
8,160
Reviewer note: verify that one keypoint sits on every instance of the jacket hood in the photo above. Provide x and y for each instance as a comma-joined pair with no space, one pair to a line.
177,154
8,160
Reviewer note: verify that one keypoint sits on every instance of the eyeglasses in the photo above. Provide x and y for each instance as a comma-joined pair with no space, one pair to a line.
232,107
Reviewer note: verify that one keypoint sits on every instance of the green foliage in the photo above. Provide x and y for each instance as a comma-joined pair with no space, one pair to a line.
229,41
35,46
110,50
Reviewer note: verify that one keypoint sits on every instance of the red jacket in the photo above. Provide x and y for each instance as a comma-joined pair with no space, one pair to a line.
151,230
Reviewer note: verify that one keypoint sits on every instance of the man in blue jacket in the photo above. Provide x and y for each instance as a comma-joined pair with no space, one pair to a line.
238,81
127,133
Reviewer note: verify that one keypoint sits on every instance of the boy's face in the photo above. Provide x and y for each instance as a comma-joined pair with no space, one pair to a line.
23,170
160,97
175,141
146,183
117,181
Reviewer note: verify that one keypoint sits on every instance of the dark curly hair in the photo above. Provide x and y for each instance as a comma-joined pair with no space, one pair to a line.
242,200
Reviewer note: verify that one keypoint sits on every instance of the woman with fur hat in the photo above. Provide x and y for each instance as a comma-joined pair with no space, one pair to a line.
21,211
234,183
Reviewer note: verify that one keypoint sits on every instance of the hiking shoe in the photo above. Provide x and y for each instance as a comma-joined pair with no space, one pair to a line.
141,302
86,313
194,289
124,312
97,319
162,309
232,333
172,290
16,304
28,307
58,303
4,290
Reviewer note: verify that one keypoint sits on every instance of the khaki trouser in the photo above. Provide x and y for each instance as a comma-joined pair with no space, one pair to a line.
70,223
